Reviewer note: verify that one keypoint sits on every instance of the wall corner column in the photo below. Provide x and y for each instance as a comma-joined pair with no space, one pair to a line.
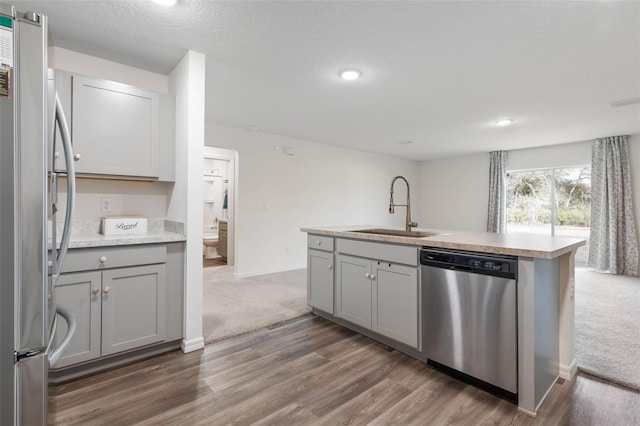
187,82
566,315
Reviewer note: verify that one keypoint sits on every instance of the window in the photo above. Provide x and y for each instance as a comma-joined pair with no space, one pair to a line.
551,202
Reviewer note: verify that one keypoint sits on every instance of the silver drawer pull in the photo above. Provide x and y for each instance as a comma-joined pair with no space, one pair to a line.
373,277
330,266
107,290
77,157
103,259
367,275
319,242
95,291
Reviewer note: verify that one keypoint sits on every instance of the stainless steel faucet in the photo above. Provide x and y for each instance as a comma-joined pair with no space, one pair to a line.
409,224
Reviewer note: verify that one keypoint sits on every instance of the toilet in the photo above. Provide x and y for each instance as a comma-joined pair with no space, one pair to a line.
210,242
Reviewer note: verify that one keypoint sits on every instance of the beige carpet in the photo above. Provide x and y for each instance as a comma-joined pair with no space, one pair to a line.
608,326
233,306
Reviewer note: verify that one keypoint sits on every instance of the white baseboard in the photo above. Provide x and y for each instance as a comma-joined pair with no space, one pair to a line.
271,271
569,372
192,345
527,412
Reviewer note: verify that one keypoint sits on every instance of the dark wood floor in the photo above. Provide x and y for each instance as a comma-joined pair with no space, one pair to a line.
208,263
310,371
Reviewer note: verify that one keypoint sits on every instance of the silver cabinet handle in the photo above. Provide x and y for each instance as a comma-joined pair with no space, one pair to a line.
103,259
107,290
373,277
330,266
367,275
50,263
319,242
95,291
77,157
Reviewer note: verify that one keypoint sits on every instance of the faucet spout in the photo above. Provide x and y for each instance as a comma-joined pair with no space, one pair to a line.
409,224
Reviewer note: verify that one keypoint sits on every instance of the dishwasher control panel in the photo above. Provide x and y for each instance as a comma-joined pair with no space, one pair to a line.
483,263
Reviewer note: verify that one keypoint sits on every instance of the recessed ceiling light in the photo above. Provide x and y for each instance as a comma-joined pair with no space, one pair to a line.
166,2
350,74
504,122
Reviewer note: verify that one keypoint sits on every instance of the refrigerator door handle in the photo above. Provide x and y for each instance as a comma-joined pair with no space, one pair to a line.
54,357
71,184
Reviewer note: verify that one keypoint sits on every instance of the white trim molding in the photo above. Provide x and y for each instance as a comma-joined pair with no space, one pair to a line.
192,345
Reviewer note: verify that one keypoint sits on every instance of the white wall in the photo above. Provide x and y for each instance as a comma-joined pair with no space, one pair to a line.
147,199
565,155
321,185
91,66
455,190
454,193
139,198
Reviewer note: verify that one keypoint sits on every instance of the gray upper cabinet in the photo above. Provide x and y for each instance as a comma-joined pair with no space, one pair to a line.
115,128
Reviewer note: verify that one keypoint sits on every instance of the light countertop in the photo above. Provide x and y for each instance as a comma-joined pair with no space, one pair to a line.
526,245
99,240
85,234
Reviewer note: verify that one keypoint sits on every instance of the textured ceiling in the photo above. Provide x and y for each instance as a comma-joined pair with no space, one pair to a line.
436,73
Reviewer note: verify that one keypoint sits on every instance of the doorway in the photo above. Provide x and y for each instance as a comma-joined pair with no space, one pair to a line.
554,201
219,207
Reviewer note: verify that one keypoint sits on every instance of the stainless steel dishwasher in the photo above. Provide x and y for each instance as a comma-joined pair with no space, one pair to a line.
470,318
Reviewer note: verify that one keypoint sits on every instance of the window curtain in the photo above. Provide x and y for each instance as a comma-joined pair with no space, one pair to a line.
497,217
613,245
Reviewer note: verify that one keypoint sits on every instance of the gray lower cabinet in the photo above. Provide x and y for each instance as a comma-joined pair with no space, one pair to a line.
395,300
115,311
320,280
353,289
122,298
133,307
380,296
81,295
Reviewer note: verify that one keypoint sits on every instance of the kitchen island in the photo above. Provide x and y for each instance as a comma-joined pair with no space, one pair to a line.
392,310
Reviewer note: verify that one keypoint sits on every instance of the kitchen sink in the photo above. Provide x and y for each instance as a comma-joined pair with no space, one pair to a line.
397,232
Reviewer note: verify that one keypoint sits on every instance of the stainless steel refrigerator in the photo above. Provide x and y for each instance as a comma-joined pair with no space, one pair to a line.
32,131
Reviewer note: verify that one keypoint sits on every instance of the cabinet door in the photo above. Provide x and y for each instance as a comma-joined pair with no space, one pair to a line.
75,292
115,128
222,242
353,287
320,280
396,302
133,307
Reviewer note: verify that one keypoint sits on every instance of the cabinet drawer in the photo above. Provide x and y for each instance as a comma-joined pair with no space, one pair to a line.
407,255
113,257
319,242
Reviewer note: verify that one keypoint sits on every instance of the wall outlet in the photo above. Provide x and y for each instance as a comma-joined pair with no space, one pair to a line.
105,205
